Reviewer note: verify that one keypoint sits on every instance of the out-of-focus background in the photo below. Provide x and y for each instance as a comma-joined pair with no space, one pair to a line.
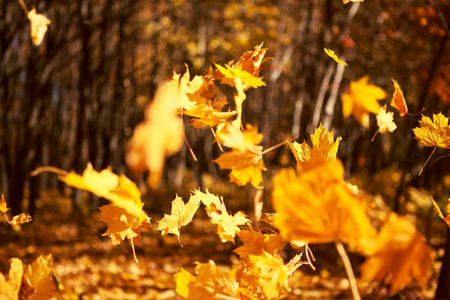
77,97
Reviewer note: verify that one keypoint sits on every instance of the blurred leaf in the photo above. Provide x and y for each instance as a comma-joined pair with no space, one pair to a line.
333,55
385,121
38,26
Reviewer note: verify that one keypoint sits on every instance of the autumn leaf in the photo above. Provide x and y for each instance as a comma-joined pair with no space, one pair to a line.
185,87
398,100
246,69
40,277
347,1
9,289
180,215
38,26
20,219
333,55
120,190
256,242
385,121
159,136
209,283
400,254
434,133
122,224
362,99
324,149
227,225
3,205
246,158
330,211
437,210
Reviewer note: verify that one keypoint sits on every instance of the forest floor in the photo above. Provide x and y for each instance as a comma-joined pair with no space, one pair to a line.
90,267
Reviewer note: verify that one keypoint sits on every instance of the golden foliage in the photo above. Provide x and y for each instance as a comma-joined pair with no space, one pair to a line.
434,133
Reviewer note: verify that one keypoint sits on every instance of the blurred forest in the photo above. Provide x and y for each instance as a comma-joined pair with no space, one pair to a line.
77,97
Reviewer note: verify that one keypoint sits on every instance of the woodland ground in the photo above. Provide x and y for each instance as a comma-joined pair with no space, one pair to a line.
90,267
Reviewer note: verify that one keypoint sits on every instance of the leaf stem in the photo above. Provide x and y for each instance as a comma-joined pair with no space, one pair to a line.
134,251
186,139
376,132
49,169
428,159
348,268
24,6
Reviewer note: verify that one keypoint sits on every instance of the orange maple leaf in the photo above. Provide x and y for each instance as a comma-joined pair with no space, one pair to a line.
122,224
434,133
256,242
324,149
227,225
20,219
3,205
400,253
159,136
330,210
246,158
361,99
398,100
180,215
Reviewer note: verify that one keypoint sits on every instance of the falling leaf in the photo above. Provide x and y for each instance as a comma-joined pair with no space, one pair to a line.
361,99
40,277
385,121
159,136
180,215
246,158
228,225
246,69
437,210
434,133
294,264
20,219
38,26
9,289
256,242
120,190
347,1
122,224
399,254
324,149
3,205
185,87
333,55
328,210
209,283
398,100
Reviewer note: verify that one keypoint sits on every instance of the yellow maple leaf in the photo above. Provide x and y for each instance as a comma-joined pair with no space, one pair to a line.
437,210
40,276
256,242
185,87
400,254
434,133
227,225
20,219
120,190
385,121
38,26
361,99
324,149
330,211
229,74
122,224
159,136
246,158
9,289
333,55
210,282
3,206
180,215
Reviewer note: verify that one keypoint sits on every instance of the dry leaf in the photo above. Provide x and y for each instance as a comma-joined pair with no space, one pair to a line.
324,149
210,283
159,136
398,100
361,99
40,277
38,26
333,55
347,1
434,133
437,210
122,224
180,215
20,219
255,243
9,289
327,211
400,254
120,190
385,121
3,205
228,225
185,87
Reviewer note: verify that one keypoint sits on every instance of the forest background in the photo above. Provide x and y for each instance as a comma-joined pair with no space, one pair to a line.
77,97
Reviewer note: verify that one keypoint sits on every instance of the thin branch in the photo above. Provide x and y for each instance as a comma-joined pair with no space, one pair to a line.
24,7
